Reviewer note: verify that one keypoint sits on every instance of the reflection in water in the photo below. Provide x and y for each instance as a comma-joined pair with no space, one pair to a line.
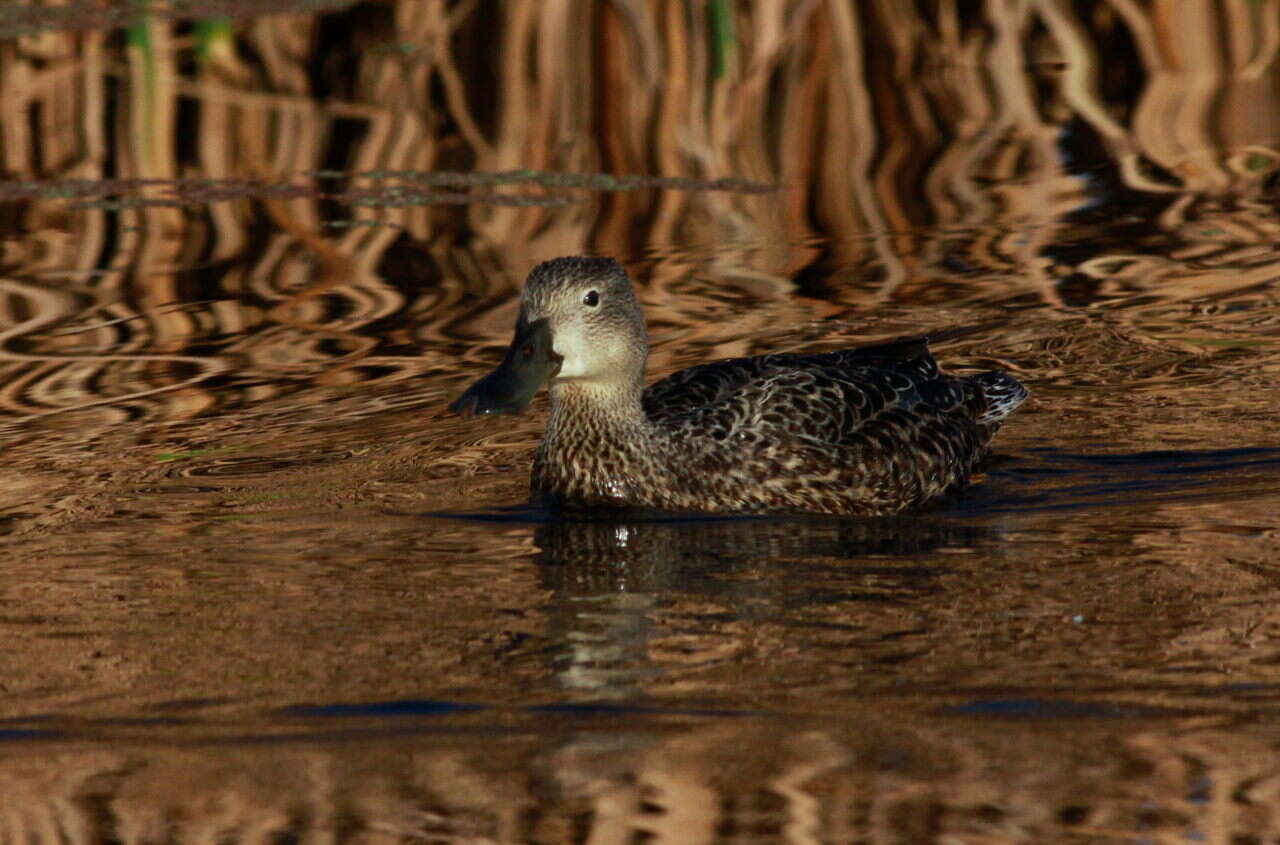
613,576
285,207
617,555
564,777
245,262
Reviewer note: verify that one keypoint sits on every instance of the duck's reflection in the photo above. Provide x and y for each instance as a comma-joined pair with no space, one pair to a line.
635,598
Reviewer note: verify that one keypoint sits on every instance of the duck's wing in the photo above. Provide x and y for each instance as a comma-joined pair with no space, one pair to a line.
730,385
837,398
702,387
869,430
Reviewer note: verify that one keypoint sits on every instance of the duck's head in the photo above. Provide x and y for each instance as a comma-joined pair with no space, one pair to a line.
579,323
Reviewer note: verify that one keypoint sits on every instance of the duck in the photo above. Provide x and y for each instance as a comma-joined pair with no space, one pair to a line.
867,431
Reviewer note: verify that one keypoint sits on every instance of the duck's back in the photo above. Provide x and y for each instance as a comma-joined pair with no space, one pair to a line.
870,430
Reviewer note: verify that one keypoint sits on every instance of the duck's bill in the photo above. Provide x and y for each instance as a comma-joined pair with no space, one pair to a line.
529,362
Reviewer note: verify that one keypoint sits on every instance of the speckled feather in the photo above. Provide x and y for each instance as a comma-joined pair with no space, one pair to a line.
873,430
868,431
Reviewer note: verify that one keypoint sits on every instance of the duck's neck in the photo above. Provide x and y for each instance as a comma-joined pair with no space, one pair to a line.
599,445
586,410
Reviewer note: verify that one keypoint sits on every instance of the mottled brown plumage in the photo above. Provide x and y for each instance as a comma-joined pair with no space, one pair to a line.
873,430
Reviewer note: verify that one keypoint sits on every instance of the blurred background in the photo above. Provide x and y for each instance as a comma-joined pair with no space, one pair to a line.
344,190
256,583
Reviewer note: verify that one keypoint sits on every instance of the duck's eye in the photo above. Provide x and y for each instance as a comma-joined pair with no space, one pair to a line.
592,299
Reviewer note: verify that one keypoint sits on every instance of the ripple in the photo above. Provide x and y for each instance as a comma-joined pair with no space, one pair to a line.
258,466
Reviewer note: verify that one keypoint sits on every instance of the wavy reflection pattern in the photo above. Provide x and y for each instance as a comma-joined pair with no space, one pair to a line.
742,780
212,215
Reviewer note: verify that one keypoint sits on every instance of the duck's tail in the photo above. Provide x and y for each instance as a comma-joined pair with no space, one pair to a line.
1003,393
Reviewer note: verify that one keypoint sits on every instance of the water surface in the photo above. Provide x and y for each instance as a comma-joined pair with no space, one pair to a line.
257,583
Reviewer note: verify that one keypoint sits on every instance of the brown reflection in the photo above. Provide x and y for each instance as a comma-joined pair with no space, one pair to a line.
621,555
617,582
556,778
350,196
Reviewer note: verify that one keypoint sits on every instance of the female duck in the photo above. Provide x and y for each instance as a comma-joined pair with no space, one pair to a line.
872,430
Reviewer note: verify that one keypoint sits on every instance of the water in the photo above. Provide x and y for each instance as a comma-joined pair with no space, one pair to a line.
256,582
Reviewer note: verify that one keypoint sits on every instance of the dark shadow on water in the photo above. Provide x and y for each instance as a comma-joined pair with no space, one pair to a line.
401,707
27,735
1057,709
1048,479
594,557
609,550
414,708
